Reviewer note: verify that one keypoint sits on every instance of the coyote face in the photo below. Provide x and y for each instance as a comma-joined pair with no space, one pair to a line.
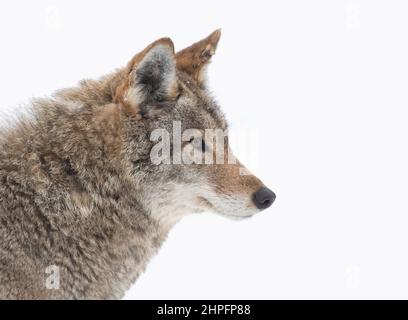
185,164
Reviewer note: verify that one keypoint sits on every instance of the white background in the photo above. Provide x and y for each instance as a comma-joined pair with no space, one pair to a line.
316,94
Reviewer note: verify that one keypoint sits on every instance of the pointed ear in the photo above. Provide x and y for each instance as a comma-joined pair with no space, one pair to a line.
195,58
150,77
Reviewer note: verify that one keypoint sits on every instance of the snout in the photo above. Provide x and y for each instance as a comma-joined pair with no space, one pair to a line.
263,198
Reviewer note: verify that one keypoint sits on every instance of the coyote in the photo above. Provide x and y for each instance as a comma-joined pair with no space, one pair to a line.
82,205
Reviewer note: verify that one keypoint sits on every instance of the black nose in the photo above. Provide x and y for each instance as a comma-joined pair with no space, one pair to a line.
264,198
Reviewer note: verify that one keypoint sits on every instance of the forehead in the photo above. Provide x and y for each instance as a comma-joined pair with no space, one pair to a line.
197,107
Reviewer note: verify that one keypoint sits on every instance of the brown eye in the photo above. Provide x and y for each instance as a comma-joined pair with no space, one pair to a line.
199,143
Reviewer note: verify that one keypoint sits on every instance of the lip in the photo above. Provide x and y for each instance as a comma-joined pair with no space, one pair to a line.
210,206
238,217
207,203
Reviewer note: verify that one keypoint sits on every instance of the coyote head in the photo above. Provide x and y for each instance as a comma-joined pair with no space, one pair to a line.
176,137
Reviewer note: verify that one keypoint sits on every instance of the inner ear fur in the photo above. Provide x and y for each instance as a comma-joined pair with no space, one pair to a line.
149,77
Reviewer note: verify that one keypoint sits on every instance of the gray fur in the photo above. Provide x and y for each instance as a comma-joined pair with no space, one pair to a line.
78,190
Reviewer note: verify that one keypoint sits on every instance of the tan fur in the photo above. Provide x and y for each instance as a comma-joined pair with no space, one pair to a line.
194,59
79,192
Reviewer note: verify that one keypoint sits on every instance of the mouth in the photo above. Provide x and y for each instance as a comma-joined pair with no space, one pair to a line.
238,217
209,206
